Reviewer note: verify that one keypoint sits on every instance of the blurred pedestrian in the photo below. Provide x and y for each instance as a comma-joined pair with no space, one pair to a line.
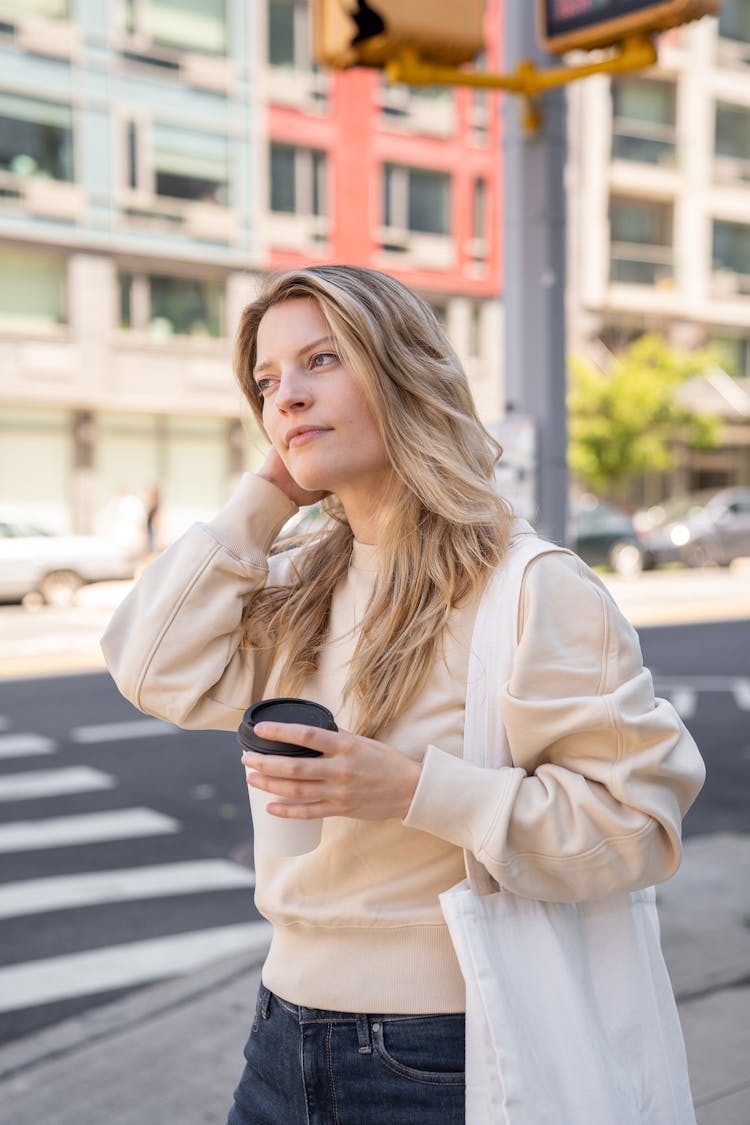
360,1014
153,523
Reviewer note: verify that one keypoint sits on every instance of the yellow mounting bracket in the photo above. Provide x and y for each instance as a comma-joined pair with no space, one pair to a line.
634,53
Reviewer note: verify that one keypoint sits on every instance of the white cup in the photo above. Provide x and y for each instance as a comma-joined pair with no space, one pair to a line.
276,835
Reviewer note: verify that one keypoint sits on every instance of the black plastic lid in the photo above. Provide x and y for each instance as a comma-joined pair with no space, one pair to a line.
284,710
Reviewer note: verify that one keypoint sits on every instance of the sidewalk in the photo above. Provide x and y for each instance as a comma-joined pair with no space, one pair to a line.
171,1055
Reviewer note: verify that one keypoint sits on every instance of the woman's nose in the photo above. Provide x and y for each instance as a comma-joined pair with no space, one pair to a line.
293,392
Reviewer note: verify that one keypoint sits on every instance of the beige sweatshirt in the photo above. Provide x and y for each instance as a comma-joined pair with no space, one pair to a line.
603,772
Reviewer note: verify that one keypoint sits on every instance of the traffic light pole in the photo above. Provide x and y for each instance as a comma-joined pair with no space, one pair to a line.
534,276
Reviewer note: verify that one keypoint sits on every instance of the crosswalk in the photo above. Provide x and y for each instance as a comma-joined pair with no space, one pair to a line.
66,897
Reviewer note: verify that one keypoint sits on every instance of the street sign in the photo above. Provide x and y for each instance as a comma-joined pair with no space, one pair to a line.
568,25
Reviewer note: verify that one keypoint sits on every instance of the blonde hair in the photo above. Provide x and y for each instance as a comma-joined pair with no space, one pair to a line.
447,530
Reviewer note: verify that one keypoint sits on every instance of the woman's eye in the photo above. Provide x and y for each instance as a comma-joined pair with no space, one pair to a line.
263,386
322,359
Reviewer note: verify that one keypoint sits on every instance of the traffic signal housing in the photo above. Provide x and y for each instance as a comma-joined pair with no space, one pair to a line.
572,25
356,33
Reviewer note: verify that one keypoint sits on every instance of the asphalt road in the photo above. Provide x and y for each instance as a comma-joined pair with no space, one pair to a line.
76,928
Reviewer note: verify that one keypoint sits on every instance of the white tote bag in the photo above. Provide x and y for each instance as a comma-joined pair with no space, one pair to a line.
570,1014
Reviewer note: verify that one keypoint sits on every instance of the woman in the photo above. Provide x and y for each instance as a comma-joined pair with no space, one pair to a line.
360,1012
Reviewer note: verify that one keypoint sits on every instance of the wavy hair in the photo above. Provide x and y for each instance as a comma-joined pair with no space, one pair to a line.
446,529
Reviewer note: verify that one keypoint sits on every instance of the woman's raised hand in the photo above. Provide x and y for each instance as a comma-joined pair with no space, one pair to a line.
274,470
355,777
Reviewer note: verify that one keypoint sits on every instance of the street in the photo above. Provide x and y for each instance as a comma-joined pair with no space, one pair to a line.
114,829
127,843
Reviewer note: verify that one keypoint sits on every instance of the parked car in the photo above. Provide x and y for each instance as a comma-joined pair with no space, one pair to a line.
56,566
698,530
604,535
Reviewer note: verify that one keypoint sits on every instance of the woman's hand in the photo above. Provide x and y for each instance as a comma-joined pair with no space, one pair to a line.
274,470
356,777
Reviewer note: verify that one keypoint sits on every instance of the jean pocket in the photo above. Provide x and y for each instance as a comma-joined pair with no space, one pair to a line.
428,1049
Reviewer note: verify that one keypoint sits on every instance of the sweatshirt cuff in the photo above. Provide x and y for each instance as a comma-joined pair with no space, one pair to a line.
252,517
460,802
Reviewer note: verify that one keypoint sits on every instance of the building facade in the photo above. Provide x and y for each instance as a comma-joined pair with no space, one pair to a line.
156,158
659,219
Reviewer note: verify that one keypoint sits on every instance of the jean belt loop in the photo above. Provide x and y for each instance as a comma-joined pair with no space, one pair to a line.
265,1004
363,1034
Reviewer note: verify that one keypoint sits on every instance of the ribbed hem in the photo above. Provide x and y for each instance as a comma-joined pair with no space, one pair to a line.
409,970
252,517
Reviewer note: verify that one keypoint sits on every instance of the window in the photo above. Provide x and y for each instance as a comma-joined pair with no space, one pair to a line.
189,164
36,137
189,25
734,20
416,199
289,36
479,209
641,237
643,121
33,290
734,352
298,180
165,306
731,251
732,140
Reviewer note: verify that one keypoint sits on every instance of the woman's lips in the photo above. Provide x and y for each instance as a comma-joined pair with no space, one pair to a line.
305,436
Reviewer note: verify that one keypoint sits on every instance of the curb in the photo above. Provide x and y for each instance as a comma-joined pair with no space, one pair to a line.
138,1008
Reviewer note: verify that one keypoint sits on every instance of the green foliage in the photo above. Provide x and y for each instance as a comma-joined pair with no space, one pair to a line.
628,421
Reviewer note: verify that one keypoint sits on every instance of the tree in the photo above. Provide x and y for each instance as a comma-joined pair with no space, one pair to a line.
629,420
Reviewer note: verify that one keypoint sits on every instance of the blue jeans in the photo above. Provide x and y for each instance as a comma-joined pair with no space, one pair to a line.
305,1066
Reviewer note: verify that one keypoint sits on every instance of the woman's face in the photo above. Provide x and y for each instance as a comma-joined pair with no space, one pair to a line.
314,411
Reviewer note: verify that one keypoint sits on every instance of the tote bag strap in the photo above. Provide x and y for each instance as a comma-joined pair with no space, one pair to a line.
493,646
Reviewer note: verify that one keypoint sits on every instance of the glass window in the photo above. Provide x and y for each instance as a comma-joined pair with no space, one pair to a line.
283,188
190,25
643,120
183,306
480,209
298,180
732,131
189,164
416,199
641,234
734,20
429,201
281,32
731,247
33,289
36,137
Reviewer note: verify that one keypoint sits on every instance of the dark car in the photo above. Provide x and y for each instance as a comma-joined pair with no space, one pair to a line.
604,535
698,530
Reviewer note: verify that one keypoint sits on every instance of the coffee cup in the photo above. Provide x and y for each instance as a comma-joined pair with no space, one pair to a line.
277,835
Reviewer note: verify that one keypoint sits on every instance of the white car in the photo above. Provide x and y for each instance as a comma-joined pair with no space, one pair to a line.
56,566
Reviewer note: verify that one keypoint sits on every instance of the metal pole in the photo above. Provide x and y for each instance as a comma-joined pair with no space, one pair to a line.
534,274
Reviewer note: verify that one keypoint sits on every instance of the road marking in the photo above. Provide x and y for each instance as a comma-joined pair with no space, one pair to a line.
123,966
116,732
17,745
684,700
737,686
52,783
64,892
63,831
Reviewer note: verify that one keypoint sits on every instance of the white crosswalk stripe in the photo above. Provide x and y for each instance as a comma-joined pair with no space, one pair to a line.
116,732
88,828
64,892
53,783
121,966
25,743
